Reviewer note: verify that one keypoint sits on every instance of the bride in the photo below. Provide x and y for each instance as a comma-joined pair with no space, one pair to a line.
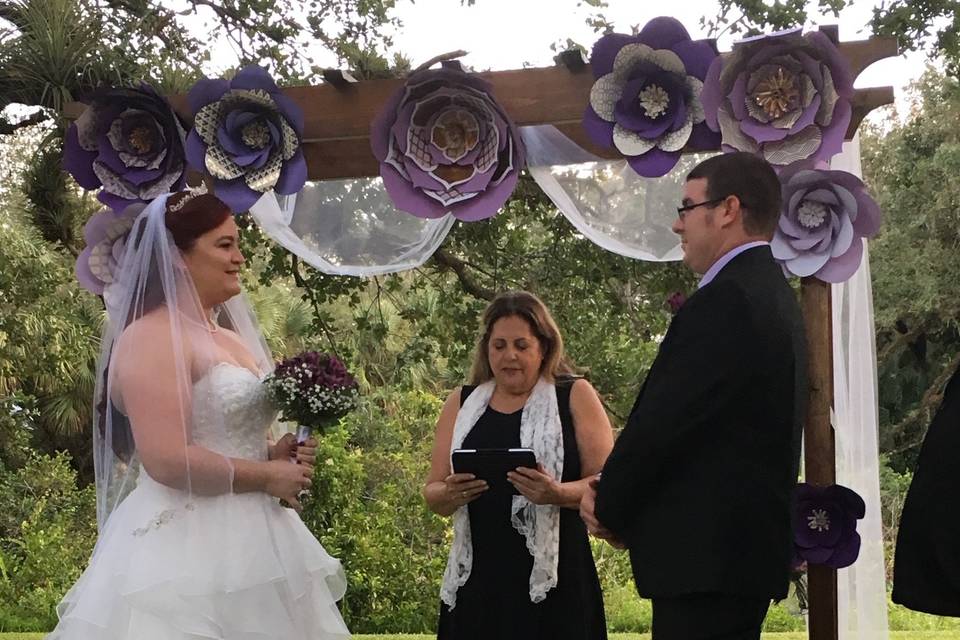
193,541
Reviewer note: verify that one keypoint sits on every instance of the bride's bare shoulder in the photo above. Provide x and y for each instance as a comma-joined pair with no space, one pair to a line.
151,338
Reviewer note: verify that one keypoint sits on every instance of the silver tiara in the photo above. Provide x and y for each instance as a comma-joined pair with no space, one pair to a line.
191,193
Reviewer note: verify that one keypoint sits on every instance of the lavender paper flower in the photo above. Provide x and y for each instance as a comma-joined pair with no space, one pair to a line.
785,97
825,525
246,135
646,99
128,141
446,145
105,235
825,215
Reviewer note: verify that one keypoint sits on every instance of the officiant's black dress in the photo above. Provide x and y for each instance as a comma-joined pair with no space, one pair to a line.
926,574
494,604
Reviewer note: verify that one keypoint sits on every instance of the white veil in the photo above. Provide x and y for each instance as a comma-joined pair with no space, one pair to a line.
157,348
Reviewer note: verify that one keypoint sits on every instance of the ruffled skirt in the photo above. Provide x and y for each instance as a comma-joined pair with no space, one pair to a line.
230,567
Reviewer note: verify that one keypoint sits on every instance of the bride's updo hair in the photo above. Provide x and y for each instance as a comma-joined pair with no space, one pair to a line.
196,217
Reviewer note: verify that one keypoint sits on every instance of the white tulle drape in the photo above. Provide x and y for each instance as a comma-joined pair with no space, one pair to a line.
349,227
606,200
862,592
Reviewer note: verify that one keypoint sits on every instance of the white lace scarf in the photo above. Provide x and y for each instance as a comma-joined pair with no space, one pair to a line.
540,430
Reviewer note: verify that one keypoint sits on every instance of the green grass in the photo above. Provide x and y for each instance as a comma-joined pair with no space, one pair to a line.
894,635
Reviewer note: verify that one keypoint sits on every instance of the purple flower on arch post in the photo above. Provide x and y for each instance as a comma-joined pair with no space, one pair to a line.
645,101
128,141
824,218
825,525
446,145
785,97
246,135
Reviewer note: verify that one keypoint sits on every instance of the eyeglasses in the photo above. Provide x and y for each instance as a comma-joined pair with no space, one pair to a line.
682,211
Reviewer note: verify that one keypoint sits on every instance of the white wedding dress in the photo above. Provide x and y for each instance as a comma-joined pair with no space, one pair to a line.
170,566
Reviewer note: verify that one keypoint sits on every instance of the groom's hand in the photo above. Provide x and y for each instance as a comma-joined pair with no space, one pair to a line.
587,505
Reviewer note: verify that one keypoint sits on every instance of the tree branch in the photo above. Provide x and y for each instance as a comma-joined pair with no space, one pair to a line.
448,262
902,340
930,401
6,128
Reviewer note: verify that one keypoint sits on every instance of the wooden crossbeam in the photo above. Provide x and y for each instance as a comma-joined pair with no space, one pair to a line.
337,118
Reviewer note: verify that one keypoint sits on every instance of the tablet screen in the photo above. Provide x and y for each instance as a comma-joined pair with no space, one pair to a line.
492,465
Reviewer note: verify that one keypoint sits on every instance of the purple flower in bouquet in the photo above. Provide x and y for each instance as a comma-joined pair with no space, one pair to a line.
825,525
445,145
785,97
646,98
128,141
825,215
313,389
246,135
106,236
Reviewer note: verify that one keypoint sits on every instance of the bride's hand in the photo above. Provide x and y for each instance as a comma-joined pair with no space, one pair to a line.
287,448
286,481
284,448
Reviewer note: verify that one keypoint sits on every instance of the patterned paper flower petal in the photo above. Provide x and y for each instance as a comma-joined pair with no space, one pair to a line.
826,214
645,100
446,146
129,143
246,136
785,97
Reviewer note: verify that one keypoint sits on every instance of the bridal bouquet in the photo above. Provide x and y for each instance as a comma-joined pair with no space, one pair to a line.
312,389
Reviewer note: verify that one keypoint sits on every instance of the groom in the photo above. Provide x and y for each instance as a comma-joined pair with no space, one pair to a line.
698,486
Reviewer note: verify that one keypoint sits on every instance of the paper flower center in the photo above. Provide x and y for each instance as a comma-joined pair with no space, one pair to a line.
777,92
456,132
819,520
811,214
256,135
141,140
654,101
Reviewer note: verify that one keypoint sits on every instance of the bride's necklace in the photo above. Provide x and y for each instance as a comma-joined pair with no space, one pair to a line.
209,325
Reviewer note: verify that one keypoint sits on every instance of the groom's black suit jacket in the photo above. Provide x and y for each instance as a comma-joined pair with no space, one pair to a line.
699,483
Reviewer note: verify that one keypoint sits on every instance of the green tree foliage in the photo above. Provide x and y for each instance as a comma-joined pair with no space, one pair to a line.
47,532
912,169
930,25
49,340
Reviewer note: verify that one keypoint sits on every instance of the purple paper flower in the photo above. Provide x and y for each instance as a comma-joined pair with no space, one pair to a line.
128,141
825,215
646,99
785,97
446,145
825,525
246,135
106,236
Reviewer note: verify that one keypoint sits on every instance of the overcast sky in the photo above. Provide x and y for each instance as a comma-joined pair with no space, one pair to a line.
510,34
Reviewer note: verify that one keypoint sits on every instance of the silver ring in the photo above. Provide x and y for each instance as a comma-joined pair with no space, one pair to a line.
463,494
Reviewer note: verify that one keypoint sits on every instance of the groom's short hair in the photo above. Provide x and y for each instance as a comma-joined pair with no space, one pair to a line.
752,180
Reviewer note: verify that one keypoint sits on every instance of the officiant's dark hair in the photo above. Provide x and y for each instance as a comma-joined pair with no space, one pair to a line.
522,304
752,180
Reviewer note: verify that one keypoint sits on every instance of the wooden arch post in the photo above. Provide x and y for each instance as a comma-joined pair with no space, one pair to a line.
336,145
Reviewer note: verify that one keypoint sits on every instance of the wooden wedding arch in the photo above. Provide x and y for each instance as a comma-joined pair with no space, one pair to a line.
336,144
